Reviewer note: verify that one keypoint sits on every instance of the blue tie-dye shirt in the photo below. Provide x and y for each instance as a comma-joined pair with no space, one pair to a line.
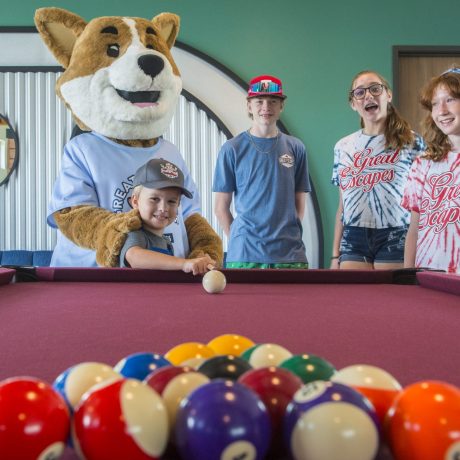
372,179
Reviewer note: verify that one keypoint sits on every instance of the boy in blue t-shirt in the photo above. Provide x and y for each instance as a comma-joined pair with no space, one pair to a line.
267,173
158,186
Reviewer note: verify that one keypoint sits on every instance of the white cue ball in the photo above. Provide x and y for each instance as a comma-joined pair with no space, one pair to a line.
214,282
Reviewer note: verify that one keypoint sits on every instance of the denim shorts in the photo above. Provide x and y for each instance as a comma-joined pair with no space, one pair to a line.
381,245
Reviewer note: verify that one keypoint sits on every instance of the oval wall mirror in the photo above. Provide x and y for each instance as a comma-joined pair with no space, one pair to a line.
9,149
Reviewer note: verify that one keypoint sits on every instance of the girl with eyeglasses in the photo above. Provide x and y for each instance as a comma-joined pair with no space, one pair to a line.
432,193
371,168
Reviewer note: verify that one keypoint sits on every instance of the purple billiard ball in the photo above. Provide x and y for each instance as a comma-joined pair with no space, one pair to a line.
225,420
333,421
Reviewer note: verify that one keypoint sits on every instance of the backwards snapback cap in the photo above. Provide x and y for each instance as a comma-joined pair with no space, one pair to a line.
158,173
266,85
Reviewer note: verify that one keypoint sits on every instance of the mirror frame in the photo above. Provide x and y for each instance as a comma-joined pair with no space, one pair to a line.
16,149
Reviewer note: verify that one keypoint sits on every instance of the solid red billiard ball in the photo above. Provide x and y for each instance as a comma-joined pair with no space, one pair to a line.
276,388
34,420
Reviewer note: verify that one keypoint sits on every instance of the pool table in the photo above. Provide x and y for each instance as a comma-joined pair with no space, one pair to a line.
405,321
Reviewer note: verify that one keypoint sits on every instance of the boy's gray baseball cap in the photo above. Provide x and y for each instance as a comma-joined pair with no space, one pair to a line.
158,173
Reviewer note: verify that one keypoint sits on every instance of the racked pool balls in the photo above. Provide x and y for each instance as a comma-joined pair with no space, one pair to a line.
214,282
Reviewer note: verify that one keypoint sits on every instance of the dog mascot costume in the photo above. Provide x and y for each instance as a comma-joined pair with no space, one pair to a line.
122,85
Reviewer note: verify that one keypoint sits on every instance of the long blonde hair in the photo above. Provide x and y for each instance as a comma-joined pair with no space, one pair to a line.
438,144
398,132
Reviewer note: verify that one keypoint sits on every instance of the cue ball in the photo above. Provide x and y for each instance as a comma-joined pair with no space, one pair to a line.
214,282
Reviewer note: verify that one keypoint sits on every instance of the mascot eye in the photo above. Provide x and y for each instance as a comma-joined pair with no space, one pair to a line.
150,47
113,50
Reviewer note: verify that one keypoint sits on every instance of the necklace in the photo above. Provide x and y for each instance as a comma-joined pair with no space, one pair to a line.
253,142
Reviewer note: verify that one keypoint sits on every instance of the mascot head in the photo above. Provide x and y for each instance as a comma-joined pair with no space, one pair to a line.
120,79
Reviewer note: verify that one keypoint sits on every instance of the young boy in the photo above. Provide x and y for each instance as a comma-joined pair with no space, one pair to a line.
267,173
158,186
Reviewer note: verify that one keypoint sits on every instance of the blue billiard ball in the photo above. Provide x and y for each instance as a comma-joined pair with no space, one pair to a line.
140,365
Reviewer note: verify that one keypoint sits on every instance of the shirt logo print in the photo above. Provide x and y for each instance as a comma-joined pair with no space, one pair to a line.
286,160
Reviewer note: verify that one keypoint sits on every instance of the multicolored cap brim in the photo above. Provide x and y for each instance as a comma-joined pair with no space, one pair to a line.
265,85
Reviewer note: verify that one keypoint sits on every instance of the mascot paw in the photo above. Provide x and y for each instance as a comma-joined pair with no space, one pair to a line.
113,236
196,253
203,239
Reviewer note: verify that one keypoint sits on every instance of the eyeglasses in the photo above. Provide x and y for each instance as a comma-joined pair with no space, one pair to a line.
376,89
452,70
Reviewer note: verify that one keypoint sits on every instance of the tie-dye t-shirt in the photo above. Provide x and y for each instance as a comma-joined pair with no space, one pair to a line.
433,190
372,179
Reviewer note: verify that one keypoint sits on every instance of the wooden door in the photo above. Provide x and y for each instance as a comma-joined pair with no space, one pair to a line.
412,70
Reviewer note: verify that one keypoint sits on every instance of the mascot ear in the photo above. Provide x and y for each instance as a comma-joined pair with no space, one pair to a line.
59,29
168,26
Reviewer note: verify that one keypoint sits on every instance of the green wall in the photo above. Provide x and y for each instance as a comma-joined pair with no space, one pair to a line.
315,47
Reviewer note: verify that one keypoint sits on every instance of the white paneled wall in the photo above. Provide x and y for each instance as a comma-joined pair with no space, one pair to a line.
199,139
44,125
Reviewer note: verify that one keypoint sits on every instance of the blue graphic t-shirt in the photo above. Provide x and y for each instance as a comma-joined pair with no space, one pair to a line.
97,171
264,182
372,179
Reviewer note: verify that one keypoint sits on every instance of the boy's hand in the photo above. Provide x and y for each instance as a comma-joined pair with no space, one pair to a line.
199,265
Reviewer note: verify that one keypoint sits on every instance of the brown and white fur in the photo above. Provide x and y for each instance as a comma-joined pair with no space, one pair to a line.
121,81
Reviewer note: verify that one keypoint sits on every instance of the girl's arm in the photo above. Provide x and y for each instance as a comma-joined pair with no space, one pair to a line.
338,231
410,247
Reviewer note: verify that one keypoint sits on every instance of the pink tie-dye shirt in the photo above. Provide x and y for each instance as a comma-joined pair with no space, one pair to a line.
433,190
